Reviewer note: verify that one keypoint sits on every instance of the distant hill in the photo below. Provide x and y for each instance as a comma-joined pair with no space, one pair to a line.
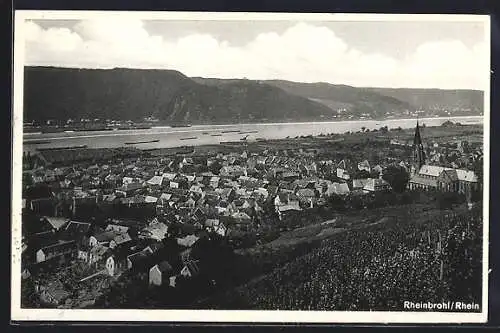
62,93
434,101
123,94
437,99
242,101
356,101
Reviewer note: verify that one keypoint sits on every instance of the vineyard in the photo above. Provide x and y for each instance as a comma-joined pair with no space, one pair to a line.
376,268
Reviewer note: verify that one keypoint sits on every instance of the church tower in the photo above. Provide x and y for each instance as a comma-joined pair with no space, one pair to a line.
418,150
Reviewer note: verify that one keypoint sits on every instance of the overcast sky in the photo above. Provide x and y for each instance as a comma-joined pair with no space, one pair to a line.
448,55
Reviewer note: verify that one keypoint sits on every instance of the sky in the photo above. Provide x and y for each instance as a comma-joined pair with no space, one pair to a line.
416,54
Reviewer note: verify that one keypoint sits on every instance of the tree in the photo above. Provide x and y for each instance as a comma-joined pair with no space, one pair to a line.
476,195
215,167
397,177
477,167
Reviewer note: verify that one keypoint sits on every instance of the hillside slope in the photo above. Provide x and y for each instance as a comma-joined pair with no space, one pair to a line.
63,93
123,94
437,99
356,101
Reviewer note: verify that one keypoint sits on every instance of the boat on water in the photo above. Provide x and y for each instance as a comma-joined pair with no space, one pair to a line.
52,130
217,134
180,125
231,131
63,148
232,143
36,142
260,139
190,138
133,127
91,129
32,130
249,132
138,142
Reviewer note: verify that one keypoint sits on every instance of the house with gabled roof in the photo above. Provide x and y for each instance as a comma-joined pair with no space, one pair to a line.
57,223
120,239
190,269
117,261
117,228
160,274
102,238
63,250
359,183
345,169
233,171
155,181
75,230
129,189
364,165
155,231
214,225
376,185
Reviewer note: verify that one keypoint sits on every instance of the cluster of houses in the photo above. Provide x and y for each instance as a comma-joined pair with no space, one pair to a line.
108,251
226,194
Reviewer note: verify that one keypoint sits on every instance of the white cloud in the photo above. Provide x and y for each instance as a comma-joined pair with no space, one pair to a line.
302,53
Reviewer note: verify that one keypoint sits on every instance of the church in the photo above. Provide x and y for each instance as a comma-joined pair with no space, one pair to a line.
433,177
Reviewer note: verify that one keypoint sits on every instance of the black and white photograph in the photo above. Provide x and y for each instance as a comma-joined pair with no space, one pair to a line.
250,167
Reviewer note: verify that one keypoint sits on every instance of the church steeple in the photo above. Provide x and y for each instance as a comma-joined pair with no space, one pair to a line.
418,149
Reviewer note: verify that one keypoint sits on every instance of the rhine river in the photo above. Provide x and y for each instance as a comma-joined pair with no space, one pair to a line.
197,135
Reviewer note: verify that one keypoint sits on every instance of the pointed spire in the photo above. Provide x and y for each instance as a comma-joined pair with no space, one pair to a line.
417,140
419,154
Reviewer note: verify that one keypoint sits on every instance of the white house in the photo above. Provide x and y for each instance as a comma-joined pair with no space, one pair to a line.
160,273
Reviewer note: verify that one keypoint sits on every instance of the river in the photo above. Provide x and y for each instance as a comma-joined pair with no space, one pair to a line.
215,134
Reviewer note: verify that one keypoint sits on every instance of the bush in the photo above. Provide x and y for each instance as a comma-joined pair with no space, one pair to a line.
446,200
397,177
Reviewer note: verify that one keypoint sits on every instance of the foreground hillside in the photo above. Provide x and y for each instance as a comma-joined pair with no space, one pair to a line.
373,266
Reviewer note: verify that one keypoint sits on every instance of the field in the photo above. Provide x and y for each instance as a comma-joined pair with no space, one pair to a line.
371,260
